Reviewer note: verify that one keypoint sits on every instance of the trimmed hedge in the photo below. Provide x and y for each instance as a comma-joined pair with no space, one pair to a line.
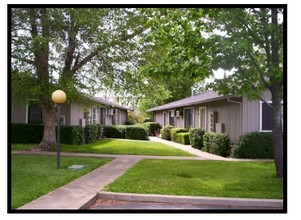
175,131
91,133
33,133
216,143
182,138
71,135
256,145
114,131
165,132
196,137
136,133
152,127
26,133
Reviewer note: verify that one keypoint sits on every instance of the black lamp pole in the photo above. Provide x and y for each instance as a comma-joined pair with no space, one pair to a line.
58,136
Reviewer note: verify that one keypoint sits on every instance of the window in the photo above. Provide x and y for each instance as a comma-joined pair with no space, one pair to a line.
164,119
34,112
94,115
188,118
103,116
266,116
203,117
171,117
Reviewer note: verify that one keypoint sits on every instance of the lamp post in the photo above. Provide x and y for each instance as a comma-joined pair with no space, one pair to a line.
58,97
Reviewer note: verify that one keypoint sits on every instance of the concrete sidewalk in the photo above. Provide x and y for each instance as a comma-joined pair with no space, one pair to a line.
83,191
202,154
80,192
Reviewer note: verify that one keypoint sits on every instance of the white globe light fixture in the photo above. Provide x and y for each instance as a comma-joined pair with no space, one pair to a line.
58,97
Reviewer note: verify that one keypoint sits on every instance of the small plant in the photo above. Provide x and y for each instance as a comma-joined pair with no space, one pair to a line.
175,131
91,133
216,143
114,131
196,137
136,133
254,145
165,132
152,128
182,138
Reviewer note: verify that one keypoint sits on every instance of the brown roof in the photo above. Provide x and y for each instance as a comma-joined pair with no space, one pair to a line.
204,97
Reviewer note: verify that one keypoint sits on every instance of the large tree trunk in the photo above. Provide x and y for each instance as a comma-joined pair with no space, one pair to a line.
277,130
48,142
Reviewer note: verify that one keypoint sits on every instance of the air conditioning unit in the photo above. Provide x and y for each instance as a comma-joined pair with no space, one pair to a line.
179,113
172,113
219,127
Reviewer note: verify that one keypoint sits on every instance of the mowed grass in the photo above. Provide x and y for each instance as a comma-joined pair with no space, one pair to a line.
201,178
34,176
114,146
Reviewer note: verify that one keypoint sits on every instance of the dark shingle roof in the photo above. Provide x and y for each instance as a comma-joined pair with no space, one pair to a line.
197,99
104,102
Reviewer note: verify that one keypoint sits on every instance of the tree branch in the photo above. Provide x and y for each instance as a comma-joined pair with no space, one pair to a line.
262,99
24,60
259,71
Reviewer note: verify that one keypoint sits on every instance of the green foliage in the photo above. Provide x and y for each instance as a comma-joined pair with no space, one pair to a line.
254,145
152,128
136,133
196,137
114,131
91,133
34,176
26,133
216,143
182,138
175,131
201,178
165,132
70,135
33,133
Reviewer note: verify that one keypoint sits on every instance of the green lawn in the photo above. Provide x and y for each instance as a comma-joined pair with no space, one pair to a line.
34,176
201,178
113,146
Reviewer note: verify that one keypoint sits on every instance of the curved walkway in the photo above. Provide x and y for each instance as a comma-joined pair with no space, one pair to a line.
81,192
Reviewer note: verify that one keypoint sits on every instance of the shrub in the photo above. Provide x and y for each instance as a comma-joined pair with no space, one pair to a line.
70,134
175,131
136,133
81,132
152,128
196,137
99,130
146,120
254,145
33,133
26,133
165,132
182,138
216,143
91,133
114,131
128,123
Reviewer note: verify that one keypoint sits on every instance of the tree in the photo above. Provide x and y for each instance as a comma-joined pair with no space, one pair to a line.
252,46
68,48
246,41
